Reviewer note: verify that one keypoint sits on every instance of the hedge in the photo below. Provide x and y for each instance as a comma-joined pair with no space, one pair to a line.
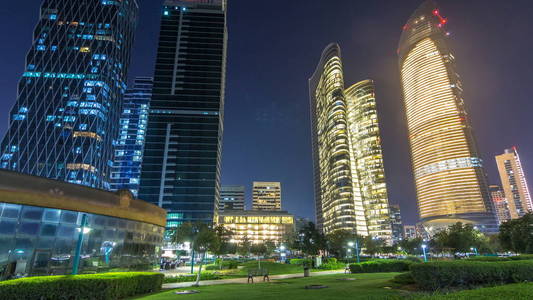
488,258
300,261
226,264
376,266
93,286
508,291
191,278
436,275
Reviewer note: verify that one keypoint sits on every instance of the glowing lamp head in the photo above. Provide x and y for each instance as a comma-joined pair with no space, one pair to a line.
350,244
424,246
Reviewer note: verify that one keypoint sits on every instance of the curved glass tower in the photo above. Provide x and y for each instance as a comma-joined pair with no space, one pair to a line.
450,181
367,157
350,190
335,205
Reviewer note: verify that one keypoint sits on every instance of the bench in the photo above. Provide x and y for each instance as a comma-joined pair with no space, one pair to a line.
347,269
258,272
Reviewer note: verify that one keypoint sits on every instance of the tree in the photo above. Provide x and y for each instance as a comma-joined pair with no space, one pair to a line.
517,235
458,238
310,241
410,246
201,237
338,241
225,245
245,246
373,245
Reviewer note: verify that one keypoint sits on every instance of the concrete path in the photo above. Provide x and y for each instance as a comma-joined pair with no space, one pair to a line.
257,279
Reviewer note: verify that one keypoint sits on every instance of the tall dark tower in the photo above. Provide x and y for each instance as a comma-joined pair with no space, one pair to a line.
65,119
450,181
181,164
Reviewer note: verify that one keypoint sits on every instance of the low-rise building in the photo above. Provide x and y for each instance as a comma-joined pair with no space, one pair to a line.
257,225
41,219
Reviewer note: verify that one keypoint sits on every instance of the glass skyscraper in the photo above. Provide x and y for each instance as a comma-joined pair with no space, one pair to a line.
450,181
181,164
65,119
132,130
350,188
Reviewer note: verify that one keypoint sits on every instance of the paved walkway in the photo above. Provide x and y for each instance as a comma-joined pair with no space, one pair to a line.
244,279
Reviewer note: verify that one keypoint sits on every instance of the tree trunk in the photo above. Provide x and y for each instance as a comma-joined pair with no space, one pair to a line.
220,259
197,283
259,262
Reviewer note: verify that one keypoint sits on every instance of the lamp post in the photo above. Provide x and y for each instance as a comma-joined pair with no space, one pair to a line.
424,246
475,250
83,230
351,244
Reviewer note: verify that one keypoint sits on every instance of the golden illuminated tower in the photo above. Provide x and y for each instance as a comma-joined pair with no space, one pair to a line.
350,189
450,180
266,195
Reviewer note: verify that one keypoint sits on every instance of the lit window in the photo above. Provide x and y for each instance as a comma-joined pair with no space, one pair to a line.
19,117
41,48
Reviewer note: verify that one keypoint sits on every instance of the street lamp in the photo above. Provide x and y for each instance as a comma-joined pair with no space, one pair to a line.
424,246
84,228
351,244
475,250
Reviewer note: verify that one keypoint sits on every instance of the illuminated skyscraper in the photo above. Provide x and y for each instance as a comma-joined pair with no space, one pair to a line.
367,157
266,195
65,119
181,163
501,205
130,143
450,180
514,183
350,190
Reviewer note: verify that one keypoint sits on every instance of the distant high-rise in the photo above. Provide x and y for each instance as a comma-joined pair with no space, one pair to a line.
65,119
514,183
409,232
396,223
231,197
501,205
266,195
450,181
181,163
350,189
130,143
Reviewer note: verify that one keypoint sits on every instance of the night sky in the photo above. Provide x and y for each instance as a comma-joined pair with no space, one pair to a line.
274,47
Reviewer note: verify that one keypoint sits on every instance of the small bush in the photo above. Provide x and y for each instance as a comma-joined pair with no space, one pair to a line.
94,286
191,278
381,266
332,266
329,260
404,279
414,259
300,261
437,275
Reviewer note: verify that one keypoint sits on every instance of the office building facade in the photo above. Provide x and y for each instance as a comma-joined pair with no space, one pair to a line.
396,223
450,180
129,146
514,183
501,205
257,226
350,189
65,119
266,195
181,163
231,197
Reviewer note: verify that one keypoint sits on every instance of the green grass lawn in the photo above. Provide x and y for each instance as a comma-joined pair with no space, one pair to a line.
366,286
518,291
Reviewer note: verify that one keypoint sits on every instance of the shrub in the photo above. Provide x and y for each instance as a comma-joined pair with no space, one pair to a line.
300,261
404,278
376,266
332,266
508,291
191,278
226,264
521,257
436,275
414,259
94,286
329,260
488,258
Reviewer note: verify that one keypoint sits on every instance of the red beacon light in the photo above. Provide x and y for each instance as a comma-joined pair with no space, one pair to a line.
443,21
436,12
